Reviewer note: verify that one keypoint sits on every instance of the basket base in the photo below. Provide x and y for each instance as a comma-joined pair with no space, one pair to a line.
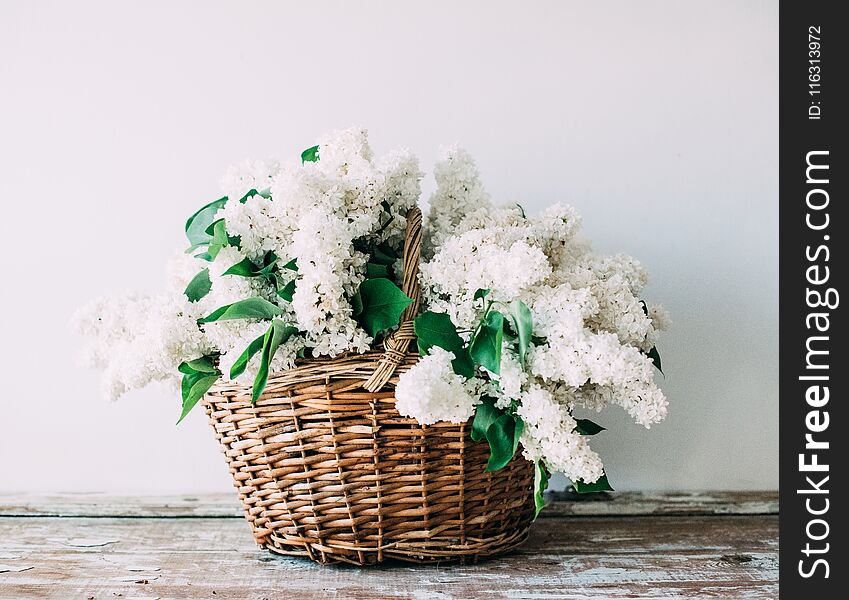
434,550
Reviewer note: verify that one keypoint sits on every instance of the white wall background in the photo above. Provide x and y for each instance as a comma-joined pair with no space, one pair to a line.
658,120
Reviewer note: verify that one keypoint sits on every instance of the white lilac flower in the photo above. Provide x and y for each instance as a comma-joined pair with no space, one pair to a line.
249,175
140,339
459,193
510,380
430,391
549,434
465,264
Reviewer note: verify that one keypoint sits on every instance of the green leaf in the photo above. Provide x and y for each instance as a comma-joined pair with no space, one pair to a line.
269,261
244,268
251,308
463,363
540,484
383,303
247,268
199,286
310,155
485,415
503,437
292,265
654,355
481,293
197,224
436,329
374,270
383,255
602,485
198,376
485,348
219,238
252,192
524,325
277,334
287,292
587,427
242,362
194,387
204,364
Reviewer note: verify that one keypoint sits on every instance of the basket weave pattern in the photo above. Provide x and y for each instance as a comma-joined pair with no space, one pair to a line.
327,468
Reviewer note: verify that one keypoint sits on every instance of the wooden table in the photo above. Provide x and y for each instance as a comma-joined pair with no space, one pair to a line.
686,545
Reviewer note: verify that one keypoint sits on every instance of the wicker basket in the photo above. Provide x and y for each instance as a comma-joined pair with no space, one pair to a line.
327,468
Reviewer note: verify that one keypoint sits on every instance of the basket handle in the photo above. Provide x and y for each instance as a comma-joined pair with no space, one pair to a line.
395,345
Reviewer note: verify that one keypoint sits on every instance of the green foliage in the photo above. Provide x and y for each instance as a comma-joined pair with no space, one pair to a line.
287,292
436,329
602,485
277,334
481,294
383,255
242,362
199,286
540,484
375,270
587,427
382,305
198,376
198,223
292,265
523,324
485,415
204,364
253,192
503,437
485,348
309,155
654,355
219,239
250,308
244,268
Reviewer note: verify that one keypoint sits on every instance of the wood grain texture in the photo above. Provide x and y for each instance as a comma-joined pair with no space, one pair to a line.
560,504
132,554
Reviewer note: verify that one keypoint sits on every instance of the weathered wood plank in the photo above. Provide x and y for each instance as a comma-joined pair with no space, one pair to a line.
226,505
623,504
107,505
645,557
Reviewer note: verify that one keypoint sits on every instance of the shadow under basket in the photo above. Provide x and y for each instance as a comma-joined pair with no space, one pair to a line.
329,470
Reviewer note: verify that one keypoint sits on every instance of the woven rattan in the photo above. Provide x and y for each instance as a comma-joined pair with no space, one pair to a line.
327,468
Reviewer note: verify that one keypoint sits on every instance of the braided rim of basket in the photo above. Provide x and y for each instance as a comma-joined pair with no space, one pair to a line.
396,344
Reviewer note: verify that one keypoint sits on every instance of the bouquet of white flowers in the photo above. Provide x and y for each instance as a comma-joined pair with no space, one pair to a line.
520,322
